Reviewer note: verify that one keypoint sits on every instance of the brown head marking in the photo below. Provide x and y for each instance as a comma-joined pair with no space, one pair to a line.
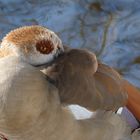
44,46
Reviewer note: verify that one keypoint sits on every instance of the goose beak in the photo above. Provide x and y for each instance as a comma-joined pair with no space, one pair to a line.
59,52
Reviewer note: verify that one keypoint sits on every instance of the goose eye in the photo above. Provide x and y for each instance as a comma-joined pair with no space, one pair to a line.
44,46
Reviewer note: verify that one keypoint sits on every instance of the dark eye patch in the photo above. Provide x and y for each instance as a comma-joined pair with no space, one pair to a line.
44,46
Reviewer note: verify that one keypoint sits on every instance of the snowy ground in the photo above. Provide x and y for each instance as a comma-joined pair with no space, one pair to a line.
110,28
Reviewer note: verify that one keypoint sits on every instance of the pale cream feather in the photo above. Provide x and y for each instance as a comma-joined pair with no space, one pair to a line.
30,109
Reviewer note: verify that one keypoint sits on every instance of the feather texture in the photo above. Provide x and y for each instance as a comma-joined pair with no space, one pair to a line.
82,80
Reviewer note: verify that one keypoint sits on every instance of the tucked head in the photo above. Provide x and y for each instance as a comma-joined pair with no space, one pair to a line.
35,44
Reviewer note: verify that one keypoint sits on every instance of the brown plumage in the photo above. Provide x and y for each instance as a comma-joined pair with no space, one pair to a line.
30,107
81,80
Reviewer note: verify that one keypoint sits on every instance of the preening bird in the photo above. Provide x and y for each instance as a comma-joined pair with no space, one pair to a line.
81,80
103,90
30,107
